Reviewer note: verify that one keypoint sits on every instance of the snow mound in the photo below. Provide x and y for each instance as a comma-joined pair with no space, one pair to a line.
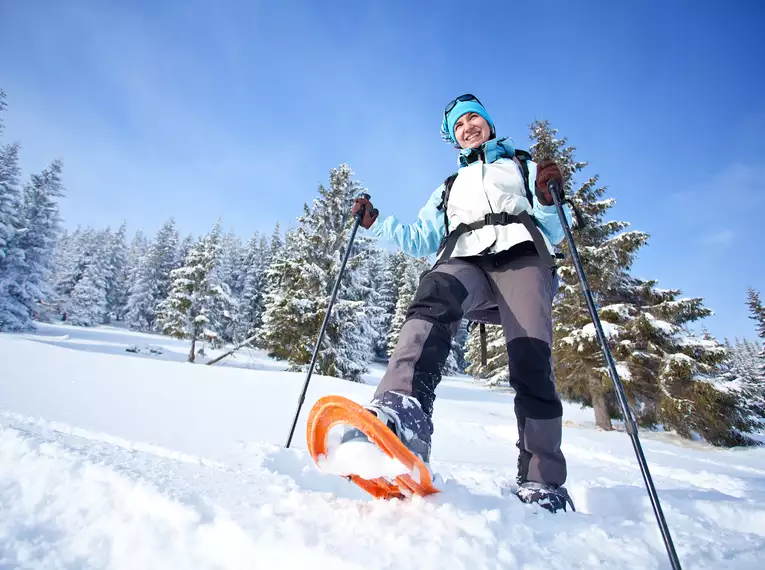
362,458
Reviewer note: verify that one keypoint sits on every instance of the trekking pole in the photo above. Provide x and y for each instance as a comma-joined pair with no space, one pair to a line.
554,187
316,348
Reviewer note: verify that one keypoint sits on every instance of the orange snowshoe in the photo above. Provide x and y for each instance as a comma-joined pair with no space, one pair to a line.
331,411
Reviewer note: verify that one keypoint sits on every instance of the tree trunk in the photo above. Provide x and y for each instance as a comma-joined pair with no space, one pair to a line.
600,405
193,346
233,350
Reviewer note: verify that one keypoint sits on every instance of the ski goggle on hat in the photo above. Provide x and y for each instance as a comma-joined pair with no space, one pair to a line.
459,106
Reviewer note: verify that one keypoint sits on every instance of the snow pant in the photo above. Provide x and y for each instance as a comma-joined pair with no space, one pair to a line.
522,290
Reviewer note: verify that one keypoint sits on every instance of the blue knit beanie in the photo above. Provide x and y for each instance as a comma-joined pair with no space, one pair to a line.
462,107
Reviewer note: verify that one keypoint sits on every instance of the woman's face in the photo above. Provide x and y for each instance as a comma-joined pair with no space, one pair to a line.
471,130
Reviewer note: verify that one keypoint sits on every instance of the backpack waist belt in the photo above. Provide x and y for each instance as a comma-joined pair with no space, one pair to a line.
499,219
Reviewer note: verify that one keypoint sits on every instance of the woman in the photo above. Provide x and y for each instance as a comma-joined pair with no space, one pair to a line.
493,226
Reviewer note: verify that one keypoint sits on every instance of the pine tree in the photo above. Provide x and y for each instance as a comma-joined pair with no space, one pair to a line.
231,271
496,369
138,247
451,366
275,243
151,283
379,282
746,379
83,269
606,252
405,297
118,274
74,253
301,280
66,273
196,295
252,299
13,313
183,250
88,304
757,314
397,274
387,287
41,221
671,376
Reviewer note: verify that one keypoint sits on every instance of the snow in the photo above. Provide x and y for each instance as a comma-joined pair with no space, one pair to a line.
620,309
361,458
664,326
111,459
609,329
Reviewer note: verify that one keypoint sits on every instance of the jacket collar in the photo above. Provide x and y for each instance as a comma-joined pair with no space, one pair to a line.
490,151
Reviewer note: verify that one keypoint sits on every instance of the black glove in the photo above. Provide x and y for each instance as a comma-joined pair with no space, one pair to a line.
548,170
370,213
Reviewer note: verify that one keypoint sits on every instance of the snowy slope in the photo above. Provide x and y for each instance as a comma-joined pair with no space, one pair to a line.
116,460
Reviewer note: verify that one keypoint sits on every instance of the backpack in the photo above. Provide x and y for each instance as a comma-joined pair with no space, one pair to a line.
450,239
522,157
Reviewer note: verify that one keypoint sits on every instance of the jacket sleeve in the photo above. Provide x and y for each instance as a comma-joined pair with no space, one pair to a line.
547,216
421,238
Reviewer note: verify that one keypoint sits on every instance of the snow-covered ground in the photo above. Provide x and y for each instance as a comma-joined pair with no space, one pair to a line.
111,459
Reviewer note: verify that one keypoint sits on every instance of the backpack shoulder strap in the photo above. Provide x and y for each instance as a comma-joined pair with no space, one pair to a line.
522,158
448,183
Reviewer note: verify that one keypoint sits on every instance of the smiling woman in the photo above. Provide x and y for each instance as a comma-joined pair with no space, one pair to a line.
471,130
494,244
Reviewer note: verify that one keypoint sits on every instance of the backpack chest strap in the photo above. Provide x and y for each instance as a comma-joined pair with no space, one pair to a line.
499,219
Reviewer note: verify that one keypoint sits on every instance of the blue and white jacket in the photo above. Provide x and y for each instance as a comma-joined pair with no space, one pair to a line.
481,187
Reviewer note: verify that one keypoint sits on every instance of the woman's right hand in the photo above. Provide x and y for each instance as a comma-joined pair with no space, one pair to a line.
364,207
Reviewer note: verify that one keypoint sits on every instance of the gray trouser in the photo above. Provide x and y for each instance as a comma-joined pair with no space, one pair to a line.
522,291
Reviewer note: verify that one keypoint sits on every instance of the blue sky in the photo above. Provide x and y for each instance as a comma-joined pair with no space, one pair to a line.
239,109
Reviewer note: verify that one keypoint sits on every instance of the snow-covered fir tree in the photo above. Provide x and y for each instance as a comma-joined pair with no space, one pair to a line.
388,279
251,303
117,278
406,293
13,313
74,253
744,369
66,273
451,366
606,252
183,250
139,245
495,371
757,314
151,283
194,305
276,243
301,279
42,225
459,351
379,283
88,304
231,270
671,376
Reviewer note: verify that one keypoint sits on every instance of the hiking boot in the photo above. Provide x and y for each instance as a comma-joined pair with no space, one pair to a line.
404,417
551,497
